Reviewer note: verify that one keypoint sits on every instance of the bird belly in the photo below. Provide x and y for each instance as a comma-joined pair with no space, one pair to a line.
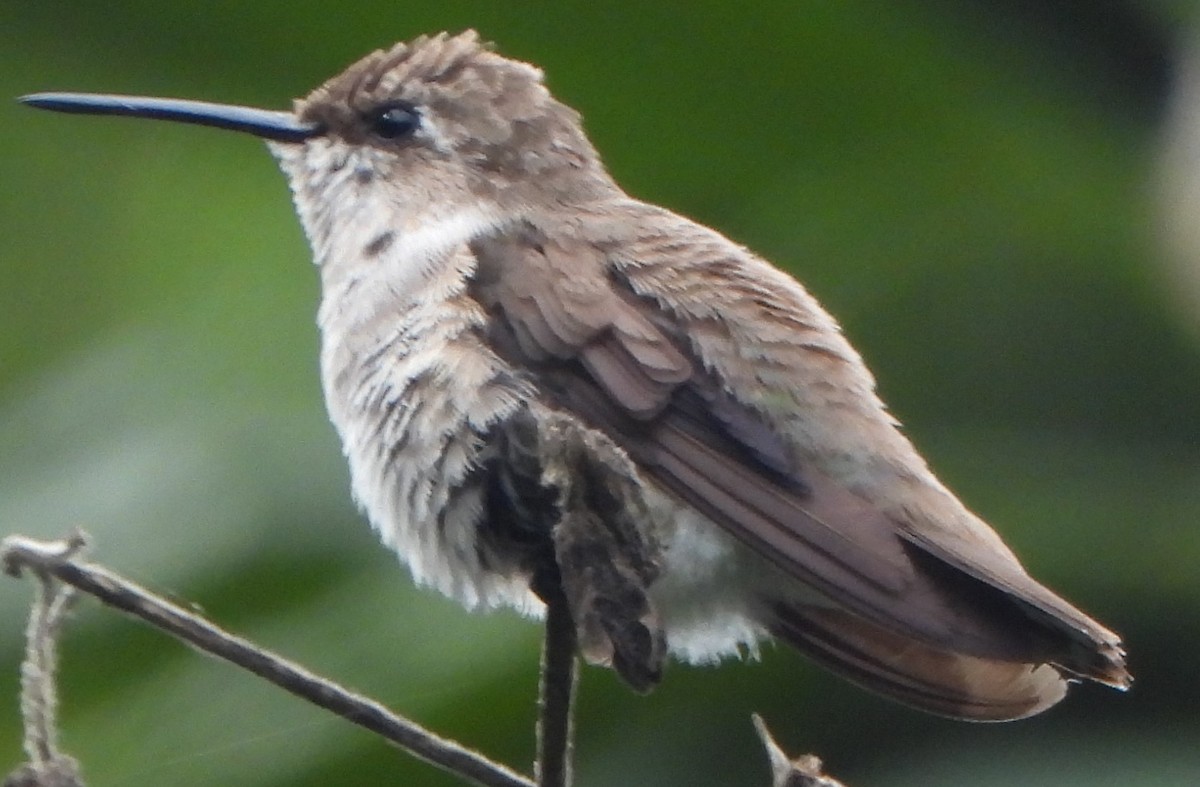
413,398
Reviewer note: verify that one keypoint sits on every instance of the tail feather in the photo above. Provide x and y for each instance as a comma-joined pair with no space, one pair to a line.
918,674
1087,649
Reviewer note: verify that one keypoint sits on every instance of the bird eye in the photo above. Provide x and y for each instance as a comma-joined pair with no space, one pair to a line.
395,121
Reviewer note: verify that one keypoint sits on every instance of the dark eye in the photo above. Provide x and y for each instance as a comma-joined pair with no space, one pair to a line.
395,121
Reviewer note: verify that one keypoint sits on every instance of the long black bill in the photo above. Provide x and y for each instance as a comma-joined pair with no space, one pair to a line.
265,123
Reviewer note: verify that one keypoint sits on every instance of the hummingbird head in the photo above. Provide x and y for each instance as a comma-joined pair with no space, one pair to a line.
447,108
437,132
440,132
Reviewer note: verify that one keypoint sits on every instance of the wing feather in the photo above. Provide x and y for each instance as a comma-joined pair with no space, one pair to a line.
623,363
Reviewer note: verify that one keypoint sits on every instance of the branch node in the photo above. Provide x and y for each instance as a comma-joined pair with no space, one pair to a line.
803,771
18,552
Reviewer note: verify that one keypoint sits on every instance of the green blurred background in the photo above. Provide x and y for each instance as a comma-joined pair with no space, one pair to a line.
989,194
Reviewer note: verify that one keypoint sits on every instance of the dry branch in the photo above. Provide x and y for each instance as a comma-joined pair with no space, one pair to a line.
60,570
59,560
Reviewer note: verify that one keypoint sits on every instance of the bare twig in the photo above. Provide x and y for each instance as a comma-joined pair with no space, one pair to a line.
803,771
55,559
556,696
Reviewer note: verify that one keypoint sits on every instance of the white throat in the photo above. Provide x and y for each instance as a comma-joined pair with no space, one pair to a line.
362,233
425,240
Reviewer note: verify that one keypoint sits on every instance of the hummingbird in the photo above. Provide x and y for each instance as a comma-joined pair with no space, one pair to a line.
548,389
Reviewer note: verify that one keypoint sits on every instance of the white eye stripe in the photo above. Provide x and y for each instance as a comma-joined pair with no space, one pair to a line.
431,132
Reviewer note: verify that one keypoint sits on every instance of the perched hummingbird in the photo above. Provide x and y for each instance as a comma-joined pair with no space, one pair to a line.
546,387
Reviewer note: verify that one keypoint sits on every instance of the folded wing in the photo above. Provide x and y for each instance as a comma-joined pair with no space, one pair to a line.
919,618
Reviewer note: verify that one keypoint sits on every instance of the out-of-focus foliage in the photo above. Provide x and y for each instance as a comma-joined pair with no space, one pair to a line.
967,185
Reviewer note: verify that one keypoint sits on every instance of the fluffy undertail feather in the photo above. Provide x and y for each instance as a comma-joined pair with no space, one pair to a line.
926,677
